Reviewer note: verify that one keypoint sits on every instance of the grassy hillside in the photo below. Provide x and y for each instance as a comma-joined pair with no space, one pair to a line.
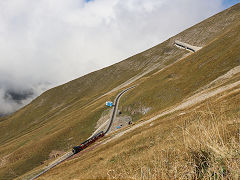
171,85
66,115
199,142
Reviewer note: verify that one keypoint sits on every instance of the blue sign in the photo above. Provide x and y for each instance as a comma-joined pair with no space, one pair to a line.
109,103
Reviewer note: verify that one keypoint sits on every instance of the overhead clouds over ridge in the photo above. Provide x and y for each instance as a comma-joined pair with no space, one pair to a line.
53,41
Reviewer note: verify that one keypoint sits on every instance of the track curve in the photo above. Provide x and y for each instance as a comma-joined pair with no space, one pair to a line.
70,154
114,112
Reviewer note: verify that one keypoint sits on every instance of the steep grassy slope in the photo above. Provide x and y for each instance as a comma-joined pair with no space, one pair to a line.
65,115
202,141
171,85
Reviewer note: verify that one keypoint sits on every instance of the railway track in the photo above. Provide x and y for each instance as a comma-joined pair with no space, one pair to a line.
115,107
70,154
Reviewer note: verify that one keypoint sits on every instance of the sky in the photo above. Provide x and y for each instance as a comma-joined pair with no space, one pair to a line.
50,42
229,3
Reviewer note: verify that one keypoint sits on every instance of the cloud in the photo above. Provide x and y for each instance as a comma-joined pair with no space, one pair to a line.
46,43
11,100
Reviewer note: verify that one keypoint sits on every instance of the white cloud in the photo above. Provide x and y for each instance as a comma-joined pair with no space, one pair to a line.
59,40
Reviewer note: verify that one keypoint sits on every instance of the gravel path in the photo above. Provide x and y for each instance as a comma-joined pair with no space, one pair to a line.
193,100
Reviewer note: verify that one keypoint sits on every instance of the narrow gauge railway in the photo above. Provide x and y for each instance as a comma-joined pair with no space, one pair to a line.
85,144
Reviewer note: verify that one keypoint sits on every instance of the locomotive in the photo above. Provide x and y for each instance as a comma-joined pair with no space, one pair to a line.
86,143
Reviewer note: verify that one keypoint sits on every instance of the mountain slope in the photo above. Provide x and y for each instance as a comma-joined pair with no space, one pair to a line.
66,115
197,136
197,142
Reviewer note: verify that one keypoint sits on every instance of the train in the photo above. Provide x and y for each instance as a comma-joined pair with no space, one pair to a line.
77,149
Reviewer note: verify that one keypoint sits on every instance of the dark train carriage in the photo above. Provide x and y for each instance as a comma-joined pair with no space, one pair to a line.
86,143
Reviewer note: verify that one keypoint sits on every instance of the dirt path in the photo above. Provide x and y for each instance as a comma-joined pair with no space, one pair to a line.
133,79
193,100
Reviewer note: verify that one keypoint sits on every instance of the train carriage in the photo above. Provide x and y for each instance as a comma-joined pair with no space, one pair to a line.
86,143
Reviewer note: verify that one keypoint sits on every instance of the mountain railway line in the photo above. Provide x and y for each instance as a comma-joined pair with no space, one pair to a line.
89,141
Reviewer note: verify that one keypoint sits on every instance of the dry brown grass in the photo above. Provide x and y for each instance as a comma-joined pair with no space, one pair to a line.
203,143
66,115
210,150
